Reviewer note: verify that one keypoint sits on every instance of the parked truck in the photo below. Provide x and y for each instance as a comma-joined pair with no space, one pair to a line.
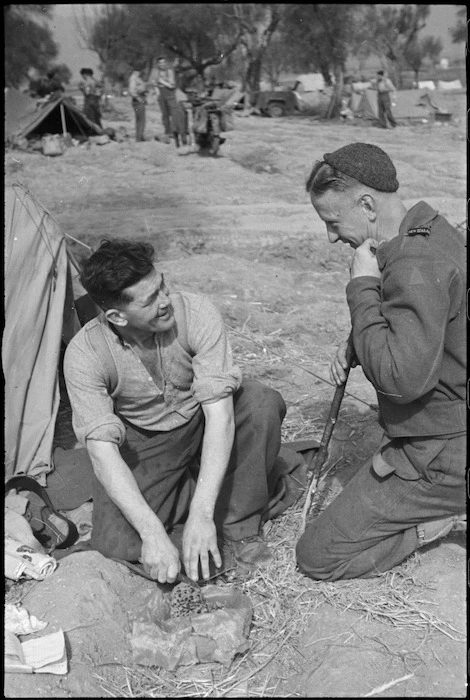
306,94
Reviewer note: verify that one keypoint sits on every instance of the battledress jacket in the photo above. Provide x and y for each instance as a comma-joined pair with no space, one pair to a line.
409,327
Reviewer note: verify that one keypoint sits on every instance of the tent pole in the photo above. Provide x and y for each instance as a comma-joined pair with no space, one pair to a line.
77,241
62,117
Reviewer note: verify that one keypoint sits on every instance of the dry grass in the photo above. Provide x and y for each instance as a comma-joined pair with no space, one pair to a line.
261,159
285,603
394,597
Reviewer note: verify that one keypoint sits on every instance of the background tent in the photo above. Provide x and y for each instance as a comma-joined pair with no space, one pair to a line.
24,119
40,313
354,102
309,82
410,104
426,85
449,85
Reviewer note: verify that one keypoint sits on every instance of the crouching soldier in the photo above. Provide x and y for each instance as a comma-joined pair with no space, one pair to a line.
174,434
407,299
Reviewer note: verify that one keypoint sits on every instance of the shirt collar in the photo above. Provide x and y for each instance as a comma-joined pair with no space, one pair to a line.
104,322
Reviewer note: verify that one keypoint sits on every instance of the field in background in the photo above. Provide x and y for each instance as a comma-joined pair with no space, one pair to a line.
240,229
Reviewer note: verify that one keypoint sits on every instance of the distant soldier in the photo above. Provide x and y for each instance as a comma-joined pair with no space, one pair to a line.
52,86
92,91
166,84
138,93
386,94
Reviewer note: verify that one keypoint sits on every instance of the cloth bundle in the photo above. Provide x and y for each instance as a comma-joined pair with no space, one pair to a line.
19,621
21,560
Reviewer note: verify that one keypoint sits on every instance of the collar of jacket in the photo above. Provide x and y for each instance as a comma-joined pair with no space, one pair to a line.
421,215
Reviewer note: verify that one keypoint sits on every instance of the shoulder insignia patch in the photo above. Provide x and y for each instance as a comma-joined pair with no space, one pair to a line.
419,231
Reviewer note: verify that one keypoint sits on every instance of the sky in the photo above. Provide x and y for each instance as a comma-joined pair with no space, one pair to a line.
72,49
73,53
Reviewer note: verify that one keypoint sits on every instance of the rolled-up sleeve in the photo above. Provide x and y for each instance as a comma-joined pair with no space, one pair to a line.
93,416
215,374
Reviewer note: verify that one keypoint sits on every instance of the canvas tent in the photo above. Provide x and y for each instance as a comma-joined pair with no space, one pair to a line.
40,313
309,82
410,105
361,85
449,85
24,119
426,85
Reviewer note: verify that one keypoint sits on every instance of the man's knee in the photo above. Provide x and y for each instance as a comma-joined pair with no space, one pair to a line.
261,399
115,544
313,560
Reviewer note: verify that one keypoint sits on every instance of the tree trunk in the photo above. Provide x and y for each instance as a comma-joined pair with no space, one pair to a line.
393,72
256,33
334,107
253,76
106,91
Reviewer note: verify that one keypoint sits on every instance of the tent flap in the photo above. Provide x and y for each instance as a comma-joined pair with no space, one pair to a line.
410,104
37,283
24,119
310,82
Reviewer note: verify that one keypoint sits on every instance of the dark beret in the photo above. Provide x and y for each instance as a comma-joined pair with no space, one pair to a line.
365,163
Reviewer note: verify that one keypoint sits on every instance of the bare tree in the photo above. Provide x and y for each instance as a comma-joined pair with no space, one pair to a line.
416,52
108,30
324,35
280,56
393,30
62,72
257,23
199,35
459,32
202,36
28,41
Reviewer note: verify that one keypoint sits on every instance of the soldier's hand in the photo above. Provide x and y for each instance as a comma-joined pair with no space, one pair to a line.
364,262
160,558
339,365
199,543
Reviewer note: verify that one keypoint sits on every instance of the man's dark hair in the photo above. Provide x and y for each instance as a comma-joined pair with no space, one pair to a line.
324,177
380,72
86,71
116,265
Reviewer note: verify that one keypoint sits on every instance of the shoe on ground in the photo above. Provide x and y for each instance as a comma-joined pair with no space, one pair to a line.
436,529
249,553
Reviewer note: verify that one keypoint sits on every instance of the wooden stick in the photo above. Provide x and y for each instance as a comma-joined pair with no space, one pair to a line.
62,118
386,686
322,453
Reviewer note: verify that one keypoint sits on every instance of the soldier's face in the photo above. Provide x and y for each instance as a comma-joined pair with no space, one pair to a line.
150,309
343,215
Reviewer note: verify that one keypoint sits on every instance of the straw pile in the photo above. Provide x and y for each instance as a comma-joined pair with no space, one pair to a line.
284,600
284,603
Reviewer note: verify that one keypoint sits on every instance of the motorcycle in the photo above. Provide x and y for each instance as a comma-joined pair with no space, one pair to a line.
210,118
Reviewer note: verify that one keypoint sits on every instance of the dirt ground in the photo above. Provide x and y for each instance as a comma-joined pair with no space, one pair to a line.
240,229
